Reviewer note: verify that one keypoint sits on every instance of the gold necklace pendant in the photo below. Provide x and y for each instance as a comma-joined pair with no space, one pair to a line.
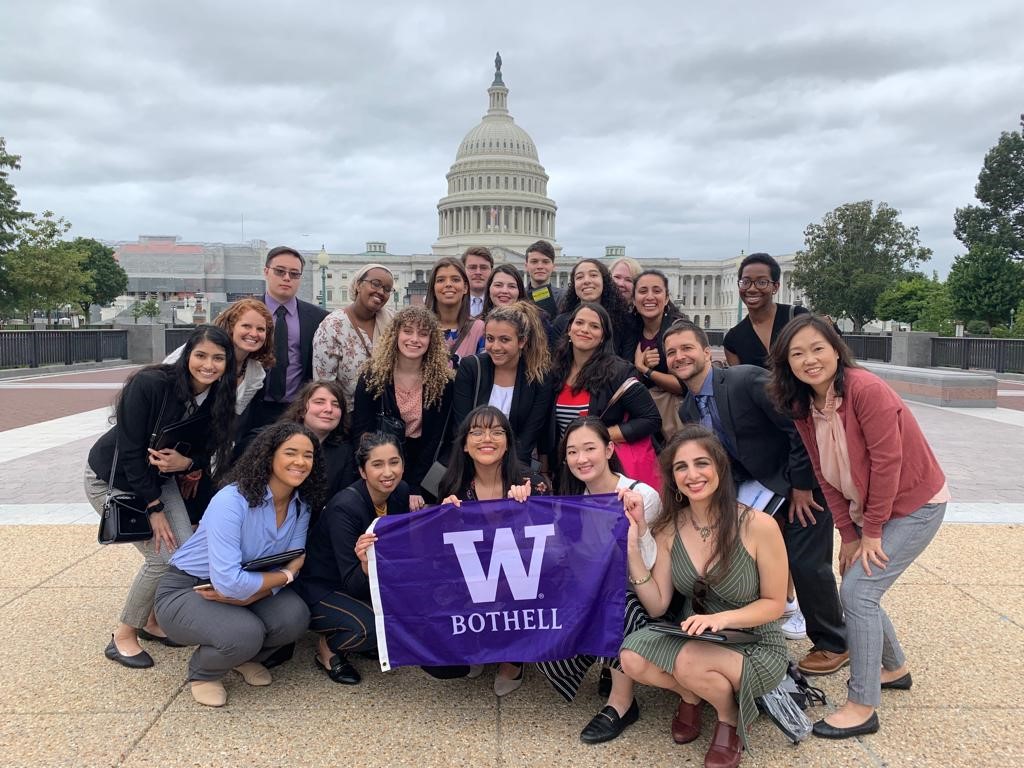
703,530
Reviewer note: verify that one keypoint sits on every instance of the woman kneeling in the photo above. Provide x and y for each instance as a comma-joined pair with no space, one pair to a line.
239,617
732,570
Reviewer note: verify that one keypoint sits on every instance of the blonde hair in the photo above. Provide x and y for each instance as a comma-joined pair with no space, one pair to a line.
436,364
525,318
635,267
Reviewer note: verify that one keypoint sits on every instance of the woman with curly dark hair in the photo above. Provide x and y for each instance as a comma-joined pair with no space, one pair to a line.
592,282
199,385
239,615
406,388
320,406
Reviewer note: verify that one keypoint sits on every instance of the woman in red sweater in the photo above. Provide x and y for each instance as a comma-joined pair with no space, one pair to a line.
885,489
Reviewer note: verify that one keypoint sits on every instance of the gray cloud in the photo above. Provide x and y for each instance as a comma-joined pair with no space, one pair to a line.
664,127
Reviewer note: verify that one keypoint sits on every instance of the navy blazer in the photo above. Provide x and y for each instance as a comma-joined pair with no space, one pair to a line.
769,447
531,403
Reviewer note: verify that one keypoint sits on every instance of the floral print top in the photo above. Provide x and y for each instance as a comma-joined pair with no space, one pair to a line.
340,349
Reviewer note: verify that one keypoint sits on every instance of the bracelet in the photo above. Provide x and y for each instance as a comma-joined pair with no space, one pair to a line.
288,575
638,582
158,507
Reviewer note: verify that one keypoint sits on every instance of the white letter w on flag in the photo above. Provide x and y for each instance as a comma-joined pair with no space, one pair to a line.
523,583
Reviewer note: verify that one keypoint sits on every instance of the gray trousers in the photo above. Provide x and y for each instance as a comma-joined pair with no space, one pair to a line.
139,602
227,635
870,635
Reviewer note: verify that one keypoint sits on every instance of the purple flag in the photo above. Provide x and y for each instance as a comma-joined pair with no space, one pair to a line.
500,581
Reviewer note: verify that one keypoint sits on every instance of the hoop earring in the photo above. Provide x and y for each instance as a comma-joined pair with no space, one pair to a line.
679,496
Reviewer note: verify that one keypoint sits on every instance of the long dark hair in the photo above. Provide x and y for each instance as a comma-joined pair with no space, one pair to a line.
599,370
251,473
503,269
672,312
464,319
790,395
296,412
610,298
568,483
675,506
221,394
461,468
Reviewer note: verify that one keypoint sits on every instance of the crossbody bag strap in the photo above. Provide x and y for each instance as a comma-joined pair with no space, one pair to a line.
623,388
152,440
479,375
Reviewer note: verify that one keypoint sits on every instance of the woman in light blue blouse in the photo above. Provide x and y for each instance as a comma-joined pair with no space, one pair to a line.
239,617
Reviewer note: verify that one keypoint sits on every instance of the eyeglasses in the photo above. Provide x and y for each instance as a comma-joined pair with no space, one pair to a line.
761,282
498,433
377,285
700,591
281,272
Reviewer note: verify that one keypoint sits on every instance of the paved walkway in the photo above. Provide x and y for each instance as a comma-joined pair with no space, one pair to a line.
959,609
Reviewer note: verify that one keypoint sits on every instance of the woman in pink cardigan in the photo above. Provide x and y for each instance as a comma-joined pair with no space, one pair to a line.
885,489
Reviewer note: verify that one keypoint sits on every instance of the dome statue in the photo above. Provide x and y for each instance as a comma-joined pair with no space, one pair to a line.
497,188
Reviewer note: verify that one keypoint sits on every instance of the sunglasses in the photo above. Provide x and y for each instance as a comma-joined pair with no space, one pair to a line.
281,272
700,593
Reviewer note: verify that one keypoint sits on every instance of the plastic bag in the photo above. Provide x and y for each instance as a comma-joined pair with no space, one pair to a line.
779,705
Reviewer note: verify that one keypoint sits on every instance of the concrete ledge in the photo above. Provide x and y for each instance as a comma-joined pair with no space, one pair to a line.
934,386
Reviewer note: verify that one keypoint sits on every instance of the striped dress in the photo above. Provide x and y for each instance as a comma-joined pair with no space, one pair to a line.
764,662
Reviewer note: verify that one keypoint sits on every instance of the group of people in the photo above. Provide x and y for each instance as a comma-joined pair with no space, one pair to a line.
314,424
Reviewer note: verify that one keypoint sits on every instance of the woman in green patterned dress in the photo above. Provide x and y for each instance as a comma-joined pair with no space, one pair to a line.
732,570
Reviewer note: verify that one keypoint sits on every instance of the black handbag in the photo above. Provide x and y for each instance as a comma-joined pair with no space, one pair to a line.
390,425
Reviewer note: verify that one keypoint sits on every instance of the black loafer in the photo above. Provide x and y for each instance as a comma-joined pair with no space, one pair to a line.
900,683
604,683
823,730
606,724
341,670
280,656
157,639
138,661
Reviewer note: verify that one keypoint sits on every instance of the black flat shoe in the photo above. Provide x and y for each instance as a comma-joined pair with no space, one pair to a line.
157,639
341,670
138,661
900,683
823,730
604,683
607,725
280,656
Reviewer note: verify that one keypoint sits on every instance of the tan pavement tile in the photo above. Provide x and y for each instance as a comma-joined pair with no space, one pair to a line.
366,734
33,553
51,657
1008,601
110,566
975,738
68,739
977,554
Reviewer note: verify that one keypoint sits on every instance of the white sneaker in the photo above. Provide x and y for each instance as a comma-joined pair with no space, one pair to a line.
794,627
792,606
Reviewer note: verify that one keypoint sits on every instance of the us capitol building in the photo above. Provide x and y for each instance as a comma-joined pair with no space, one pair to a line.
496,196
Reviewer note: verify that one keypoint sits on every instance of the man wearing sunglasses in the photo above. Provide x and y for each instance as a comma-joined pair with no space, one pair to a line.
295,322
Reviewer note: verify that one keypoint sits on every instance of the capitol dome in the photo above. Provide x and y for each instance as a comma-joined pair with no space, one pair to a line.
497,188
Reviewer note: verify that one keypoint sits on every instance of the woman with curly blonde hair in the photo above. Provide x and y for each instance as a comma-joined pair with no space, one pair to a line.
406,389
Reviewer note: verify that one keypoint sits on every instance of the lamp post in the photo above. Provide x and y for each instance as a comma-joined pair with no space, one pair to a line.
323,259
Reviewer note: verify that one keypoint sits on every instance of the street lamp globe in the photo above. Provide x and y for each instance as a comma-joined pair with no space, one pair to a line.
323,259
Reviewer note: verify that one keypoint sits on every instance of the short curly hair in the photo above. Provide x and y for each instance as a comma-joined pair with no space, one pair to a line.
227,319
251,473
436,363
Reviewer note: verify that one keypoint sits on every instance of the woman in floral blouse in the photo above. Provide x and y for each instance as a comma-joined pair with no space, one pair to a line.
345,339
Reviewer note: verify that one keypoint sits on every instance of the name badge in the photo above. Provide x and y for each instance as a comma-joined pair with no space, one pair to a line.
541,293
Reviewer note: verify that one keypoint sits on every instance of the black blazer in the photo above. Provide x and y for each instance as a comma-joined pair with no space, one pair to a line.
418,452
644,417
340,463
769,447
531,403
140,401
631,337
331,562
310,317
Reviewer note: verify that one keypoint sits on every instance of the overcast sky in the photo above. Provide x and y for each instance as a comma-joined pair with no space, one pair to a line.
664,127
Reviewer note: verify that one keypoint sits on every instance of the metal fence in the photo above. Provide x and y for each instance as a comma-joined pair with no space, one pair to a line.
176,337
31,349
999,355
870,346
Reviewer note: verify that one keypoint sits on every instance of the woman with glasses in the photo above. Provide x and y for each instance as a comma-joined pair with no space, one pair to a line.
748,342
345,339
732,570
484,467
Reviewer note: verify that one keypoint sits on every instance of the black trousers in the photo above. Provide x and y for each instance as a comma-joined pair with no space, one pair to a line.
810,552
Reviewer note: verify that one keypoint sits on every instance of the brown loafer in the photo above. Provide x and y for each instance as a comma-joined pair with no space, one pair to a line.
686,724
821,662
726,748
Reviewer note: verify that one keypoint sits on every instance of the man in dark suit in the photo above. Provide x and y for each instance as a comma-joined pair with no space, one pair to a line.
765,446
295,322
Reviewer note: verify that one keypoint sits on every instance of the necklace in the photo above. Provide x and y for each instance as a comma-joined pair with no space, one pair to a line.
381,510
703,530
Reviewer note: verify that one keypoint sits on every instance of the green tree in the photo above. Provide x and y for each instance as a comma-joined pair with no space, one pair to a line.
937,312
853,256
149,308
107,280
40,273
999,220
985,284
905,301
11,215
